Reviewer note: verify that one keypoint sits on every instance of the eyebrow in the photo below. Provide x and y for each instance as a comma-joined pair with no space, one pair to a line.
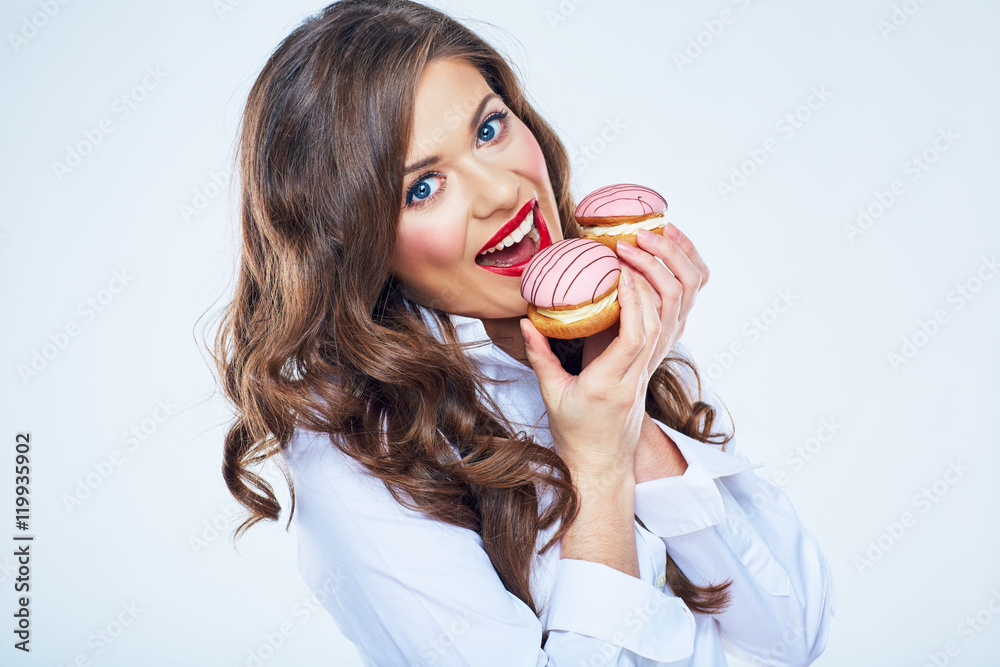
433,159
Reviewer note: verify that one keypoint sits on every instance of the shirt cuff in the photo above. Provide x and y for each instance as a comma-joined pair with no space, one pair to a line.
599,601
682,504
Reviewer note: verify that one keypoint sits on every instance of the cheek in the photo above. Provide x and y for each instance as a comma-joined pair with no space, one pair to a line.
530,157
420,246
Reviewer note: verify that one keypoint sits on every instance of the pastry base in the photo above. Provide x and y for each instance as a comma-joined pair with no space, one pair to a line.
585,327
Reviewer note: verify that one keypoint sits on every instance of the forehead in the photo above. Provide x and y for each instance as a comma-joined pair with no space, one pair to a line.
448,93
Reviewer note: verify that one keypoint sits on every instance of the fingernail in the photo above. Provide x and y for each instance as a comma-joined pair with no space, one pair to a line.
627,277
672,231
626,248
646,235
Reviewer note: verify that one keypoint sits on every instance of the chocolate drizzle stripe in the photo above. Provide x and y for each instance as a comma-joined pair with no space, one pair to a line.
539,268
610,190
566,268
602,280
596,284
589,206
638,198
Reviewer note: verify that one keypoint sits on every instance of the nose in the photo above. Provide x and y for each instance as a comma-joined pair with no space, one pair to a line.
495,192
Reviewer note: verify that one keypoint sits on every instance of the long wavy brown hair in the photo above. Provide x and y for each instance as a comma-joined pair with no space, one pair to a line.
319,336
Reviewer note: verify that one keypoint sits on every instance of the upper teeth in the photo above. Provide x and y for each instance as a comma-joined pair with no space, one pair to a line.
516,235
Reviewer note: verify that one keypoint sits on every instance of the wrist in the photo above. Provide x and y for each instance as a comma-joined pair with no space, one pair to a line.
606,494
611,476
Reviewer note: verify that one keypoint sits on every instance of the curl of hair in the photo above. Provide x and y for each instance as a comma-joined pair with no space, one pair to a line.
319,336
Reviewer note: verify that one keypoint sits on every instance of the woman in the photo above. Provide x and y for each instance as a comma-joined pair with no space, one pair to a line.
436,445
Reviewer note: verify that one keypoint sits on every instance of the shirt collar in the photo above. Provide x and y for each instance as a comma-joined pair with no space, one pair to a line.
682,504
709,458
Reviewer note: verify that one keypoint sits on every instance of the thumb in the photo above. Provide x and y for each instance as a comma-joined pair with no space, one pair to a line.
545,363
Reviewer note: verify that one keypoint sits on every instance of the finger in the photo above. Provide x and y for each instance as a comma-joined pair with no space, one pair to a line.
551,375
653,271
673,258
668,289
685,244
681,268
650,321
612,365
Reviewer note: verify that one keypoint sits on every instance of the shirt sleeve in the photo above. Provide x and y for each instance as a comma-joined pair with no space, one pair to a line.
407,589
720,521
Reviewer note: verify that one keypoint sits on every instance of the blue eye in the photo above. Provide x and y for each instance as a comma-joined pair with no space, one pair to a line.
421,189
486,131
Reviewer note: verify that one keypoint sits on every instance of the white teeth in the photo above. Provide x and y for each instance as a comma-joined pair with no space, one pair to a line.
515,236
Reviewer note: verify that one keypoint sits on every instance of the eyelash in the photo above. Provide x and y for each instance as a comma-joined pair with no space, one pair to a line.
409,202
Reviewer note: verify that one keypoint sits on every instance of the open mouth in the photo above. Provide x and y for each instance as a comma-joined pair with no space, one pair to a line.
511,254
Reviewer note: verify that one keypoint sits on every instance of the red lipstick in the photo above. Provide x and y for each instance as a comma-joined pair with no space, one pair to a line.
513,224
543,235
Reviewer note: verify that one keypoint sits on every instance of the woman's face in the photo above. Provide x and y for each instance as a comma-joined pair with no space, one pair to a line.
470,172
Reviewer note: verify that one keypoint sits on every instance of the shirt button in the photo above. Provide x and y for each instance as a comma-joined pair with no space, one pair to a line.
661,581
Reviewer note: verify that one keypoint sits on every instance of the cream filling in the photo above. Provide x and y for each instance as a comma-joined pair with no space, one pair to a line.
627,228
583,312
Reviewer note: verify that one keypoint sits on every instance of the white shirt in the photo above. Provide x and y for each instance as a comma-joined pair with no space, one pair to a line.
410,590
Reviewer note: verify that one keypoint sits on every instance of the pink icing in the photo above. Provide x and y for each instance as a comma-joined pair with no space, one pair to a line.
570,272
620,200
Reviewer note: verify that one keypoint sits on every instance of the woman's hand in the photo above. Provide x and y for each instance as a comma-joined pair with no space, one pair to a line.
596,417
674,291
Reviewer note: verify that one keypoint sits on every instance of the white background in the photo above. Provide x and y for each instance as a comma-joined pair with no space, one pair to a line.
607,76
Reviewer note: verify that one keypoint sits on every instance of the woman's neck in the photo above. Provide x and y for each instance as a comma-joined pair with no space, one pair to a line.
505,333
